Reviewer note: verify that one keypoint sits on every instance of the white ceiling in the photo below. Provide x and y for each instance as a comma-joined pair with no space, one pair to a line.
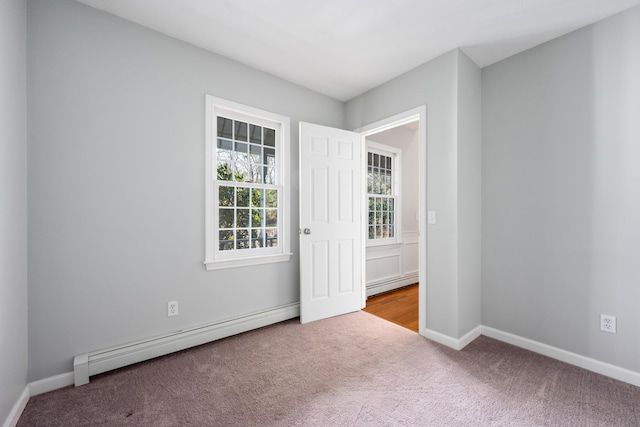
343,48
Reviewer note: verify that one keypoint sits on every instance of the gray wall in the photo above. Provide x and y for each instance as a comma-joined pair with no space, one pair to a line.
561,191
116,183
437,84
13,204
469,192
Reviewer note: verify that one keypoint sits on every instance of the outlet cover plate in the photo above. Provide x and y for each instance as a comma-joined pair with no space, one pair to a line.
172,308
608,323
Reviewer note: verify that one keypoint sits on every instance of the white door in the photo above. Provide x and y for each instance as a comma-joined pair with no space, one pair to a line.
330,222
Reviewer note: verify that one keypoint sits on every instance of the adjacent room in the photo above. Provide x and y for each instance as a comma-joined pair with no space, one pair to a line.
165,212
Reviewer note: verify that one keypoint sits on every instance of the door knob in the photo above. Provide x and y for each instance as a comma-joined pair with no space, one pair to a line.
307,231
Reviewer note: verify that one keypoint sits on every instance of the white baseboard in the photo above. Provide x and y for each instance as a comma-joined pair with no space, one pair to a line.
18,407
391,284
96,362
454,343
606,369
49,384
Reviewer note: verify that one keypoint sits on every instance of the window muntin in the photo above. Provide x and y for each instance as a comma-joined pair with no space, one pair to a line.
247,194
382,193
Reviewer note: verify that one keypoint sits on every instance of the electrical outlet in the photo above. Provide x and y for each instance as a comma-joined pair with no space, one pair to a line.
608,323
431,217
172,308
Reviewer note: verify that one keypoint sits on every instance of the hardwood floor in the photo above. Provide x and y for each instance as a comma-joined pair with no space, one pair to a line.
399,306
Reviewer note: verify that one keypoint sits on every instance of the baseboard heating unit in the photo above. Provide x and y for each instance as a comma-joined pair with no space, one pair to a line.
97,362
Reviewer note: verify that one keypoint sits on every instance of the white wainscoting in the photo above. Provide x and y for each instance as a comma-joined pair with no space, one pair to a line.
392,266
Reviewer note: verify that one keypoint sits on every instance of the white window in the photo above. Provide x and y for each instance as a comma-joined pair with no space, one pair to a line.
247,185
383,193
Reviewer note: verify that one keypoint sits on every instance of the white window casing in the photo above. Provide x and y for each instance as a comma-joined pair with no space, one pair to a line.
241,237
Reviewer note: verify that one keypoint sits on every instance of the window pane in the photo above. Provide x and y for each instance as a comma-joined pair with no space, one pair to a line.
372,232
242,239
384,184
242,218
225,127
241,131
376,181
271,217
242,162
271,237
269,156
372,218
242,169
256,153
269,137
255,164
257,239
255,134
224,144
270,161
225,173
226,240
256,217
270,175
241,147
376,160
226,218
272,198
243,196
225,196
224,154
257,197
254,173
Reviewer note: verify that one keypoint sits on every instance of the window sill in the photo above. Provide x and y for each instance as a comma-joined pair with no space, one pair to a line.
245,262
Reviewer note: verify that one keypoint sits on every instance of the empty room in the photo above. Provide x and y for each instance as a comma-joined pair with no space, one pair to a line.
197,198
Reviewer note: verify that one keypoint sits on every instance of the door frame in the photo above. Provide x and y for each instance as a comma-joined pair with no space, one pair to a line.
419,114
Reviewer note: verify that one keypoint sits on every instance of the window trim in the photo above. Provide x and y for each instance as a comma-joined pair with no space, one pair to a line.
396,154
214,259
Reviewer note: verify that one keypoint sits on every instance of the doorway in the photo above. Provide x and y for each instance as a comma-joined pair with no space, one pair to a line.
332,261
394,257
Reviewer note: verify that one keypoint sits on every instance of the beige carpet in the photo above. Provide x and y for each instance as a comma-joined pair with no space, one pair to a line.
352,370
